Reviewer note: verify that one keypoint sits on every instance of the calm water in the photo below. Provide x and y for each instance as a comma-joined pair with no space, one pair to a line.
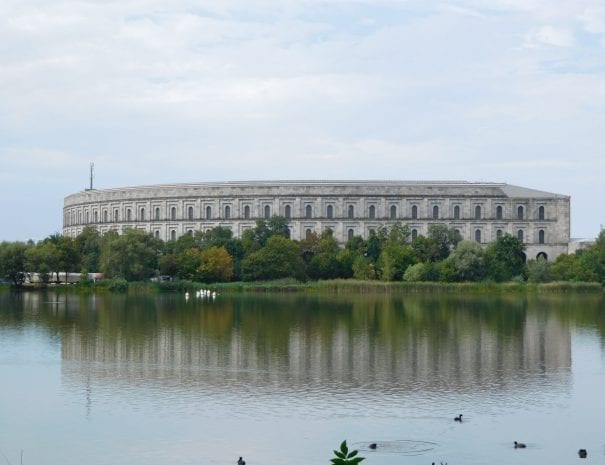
284,379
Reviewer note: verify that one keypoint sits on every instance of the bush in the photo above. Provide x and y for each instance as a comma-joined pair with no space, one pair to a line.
415,273
117,285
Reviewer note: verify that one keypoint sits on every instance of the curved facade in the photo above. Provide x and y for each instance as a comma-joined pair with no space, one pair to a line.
480,211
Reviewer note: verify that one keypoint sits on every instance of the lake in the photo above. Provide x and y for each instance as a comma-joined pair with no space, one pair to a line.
284,378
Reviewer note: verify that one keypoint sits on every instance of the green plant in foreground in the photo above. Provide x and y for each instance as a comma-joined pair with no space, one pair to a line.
344,457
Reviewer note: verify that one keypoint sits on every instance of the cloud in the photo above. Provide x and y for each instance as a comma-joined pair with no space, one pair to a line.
550,36
181,90
593,19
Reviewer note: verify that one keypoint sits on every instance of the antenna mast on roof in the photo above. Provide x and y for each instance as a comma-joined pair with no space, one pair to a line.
92,168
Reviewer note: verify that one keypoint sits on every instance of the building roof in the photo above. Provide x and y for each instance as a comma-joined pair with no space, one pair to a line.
311,187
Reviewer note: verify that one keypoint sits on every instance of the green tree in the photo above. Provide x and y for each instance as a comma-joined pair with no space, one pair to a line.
132,256
189,262
416,272
425,249
280,258
364,268
216,265
505,258
357,246
223,237
565,268
169,264
66,257
42,258
394,260
445,240
88,245
278,226
538,271
256,238
13,262
468,262
375,243
325,264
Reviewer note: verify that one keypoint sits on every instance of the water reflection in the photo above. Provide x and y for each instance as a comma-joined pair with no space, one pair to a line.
398,343
338,362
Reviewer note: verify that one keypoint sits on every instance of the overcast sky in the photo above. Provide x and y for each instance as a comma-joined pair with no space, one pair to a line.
186,91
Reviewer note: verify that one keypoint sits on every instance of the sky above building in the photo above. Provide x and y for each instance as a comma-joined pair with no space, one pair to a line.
189,91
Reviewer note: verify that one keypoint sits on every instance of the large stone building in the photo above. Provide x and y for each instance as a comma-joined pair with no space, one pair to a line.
479,211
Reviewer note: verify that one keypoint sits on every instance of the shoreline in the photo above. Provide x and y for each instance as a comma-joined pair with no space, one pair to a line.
333,286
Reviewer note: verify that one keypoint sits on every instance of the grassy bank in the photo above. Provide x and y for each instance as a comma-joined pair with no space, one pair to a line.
337,286
357,286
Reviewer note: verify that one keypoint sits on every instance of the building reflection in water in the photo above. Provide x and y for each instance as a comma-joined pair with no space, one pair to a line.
377,343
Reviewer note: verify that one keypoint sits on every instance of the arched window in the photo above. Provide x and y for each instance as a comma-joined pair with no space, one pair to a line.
287,211
520,235
414,234
478,212
519,212
142,217
499,212
308,212
435,212
173,213
247,212
96,216
330,211
372,212
541,213
128,214
157,234
414,212
308,233
190,232
208,212
88,217
478,235
498,234
457,212
542,256
267,212
393,212
541,236
350,234
351,212
157,213
173,235
190,213
227,212
116,215
104,216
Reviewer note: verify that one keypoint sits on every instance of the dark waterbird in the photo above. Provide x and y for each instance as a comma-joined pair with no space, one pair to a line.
241,461
582,453
373,445
519,445
458,418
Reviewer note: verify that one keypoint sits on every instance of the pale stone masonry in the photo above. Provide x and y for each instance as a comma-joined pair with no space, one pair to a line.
479,211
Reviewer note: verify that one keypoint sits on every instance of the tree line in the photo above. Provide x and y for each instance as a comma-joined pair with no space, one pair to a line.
265,252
